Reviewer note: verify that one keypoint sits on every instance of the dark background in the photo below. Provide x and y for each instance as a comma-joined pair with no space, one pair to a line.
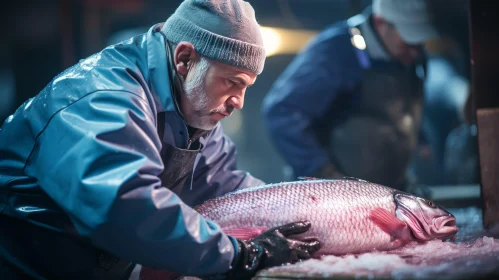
39,39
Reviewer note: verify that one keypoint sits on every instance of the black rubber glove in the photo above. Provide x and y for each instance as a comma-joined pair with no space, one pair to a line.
272,248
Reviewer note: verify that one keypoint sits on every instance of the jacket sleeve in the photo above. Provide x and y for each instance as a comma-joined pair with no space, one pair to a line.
303,94
216,172
99,160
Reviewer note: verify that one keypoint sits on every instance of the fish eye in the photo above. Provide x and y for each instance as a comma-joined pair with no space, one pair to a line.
431,204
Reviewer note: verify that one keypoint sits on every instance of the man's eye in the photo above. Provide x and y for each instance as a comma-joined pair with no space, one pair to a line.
230,82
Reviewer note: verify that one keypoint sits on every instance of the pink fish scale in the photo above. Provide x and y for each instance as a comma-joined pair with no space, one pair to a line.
338,210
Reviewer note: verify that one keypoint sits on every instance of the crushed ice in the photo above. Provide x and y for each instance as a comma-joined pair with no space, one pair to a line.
474,252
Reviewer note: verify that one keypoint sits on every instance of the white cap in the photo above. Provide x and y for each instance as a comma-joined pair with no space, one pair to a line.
412,18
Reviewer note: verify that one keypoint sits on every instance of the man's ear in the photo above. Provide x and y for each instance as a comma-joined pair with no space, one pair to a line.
183,57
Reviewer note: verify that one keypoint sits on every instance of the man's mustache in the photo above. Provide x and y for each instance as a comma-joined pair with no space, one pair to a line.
225,111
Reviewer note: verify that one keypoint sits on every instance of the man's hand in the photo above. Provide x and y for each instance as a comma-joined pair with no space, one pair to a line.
273,248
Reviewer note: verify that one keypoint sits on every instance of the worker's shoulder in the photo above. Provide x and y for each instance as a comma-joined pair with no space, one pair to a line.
116,68
335,33
335,40
332,45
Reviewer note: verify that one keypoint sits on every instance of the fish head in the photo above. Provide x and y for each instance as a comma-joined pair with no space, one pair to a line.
426,219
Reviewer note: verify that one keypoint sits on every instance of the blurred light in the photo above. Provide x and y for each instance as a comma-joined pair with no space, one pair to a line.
285,41
354,31
358,42
271,40
28,209
407,121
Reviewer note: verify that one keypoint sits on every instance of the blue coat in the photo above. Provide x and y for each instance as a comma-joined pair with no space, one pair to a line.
89,141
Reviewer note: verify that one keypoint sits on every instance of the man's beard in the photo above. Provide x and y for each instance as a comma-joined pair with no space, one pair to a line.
199,116
195,94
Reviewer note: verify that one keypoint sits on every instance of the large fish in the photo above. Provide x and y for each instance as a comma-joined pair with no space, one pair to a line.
347,216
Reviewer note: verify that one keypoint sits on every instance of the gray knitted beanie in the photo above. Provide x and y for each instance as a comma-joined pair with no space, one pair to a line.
223,30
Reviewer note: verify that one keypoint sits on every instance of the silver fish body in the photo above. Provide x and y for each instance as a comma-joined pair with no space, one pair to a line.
340,211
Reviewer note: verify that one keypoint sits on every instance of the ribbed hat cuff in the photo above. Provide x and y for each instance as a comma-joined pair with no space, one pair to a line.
226,50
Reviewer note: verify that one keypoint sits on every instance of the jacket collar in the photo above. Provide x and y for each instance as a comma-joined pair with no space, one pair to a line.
159,70
375,47
176,88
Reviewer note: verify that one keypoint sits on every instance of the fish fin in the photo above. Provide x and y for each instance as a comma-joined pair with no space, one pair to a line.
386,221
245,233
354,179
305,178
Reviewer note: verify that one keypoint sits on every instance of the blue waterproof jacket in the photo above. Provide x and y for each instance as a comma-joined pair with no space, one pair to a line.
89,141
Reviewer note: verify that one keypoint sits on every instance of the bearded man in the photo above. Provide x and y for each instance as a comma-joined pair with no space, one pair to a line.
100,170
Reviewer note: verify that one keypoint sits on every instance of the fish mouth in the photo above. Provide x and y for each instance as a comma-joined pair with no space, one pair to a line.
445,222
445,227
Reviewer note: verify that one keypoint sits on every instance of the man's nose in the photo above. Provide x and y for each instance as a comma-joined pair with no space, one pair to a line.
236,101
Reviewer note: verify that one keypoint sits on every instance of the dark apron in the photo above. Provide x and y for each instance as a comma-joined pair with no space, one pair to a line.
179,163
42,240
376,142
